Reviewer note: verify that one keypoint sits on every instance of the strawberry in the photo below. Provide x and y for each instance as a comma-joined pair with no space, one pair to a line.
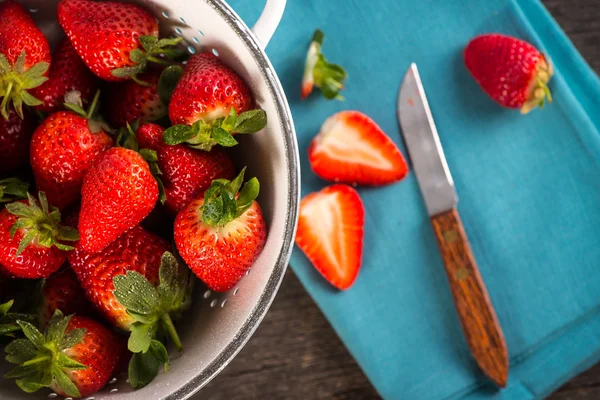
24,57
63,292
31,239
67,73
186,172
75,357
139,286
15,135
118,192
221,234
330,233
511,71
12,189
115,40
351,148
205,104
128,101
63,148
318,72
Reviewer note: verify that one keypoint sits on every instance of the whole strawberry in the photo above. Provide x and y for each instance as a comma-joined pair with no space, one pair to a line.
115,40
67,73
221,235
32,240
186,172
63,148
24,57
75,357
129,101
118,192
63,292
210,104
511,71
139,287
15,135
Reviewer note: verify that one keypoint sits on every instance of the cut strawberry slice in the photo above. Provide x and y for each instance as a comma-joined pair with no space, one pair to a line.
351,148
330,233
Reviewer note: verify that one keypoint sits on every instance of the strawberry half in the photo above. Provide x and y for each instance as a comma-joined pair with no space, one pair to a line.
318,72
351,148
330,233
221,234
75,356
511,71
24,58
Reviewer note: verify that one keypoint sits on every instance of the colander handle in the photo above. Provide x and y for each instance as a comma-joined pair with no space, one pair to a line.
268,21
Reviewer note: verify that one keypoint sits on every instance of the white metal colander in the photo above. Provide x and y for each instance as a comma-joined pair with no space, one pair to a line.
219,324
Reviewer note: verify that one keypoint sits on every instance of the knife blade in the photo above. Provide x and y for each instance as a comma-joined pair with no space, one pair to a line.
476,313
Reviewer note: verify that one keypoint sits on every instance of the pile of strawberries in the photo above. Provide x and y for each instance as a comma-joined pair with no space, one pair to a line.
96,185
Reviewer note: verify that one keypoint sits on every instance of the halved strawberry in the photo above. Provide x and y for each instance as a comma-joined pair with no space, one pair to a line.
352,148
330,233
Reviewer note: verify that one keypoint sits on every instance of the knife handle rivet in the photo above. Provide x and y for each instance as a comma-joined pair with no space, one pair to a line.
450,236
462,273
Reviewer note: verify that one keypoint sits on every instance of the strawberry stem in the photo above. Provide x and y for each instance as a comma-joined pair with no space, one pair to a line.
168,324
36,360
93,106
4,105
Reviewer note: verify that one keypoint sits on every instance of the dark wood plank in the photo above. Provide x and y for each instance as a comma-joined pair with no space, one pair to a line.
295,354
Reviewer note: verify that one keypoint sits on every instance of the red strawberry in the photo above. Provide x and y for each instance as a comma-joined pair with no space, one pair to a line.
31,239
220,237
205,104
318,72
63,148
136,250
24,57
118,192
511,71
15,135
63,292
139,286
330,233
75,357
67,73
351,148
186,172
125,102
116,40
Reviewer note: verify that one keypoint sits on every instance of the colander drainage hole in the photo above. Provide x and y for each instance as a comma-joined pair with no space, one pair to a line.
213,303
192,49
91,398
235,292
182,20
52,395
223,303
115,390
200,32
196,40
165,14
247,272
178,31
33,10
215,52
207,294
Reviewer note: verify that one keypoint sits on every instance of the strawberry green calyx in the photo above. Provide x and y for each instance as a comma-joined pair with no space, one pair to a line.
15,82
539,91
320,73
127,139
167,82
224,201
153,310
74,102
12,189
41,358
204,135
41,224
153,51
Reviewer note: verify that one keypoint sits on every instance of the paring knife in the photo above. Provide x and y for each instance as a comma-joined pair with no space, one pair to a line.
476,313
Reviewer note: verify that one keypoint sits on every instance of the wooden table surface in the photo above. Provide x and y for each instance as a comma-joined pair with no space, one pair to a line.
295,354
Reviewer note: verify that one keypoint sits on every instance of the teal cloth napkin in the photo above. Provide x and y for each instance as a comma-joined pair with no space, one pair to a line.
529,189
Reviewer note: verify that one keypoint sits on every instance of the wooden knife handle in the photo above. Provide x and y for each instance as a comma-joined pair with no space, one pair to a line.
475,310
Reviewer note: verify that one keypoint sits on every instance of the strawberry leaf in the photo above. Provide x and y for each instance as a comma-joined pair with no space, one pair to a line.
178,134
71,339
250,121
135,293
222,137
20,350
141,336
247,196
143,368
167,82
65,383
318,71
12,189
